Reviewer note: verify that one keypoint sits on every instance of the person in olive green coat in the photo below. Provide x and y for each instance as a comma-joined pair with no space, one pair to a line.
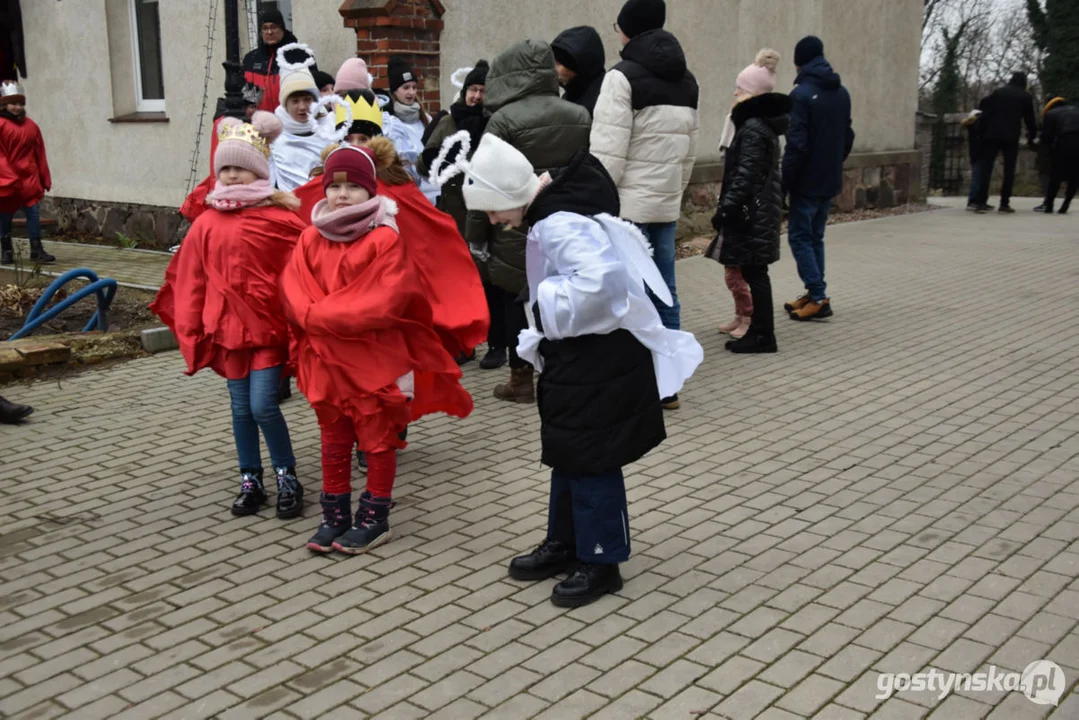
526,112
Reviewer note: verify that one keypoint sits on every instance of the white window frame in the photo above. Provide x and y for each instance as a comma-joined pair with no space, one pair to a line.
141,104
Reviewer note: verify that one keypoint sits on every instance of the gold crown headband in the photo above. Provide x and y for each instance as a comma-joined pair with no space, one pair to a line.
245,133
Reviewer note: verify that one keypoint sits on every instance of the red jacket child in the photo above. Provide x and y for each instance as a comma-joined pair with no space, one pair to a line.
24,171
367,352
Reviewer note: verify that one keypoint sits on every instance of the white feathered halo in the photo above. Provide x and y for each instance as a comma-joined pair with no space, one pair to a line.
331,103
459,76
286,66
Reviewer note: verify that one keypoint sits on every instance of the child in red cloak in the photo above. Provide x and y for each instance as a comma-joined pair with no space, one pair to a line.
368,356
222,300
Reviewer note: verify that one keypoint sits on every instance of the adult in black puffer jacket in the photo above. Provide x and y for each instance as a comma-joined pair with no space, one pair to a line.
579,58
751,209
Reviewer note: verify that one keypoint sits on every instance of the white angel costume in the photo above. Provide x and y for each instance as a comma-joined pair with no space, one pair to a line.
407,139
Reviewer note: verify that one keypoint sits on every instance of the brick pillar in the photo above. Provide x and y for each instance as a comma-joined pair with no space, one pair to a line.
410,28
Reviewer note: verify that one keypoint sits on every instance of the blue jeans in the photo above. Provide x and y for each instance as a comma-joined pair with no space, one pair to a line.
590,514
805,232
254,407
975,182
661,238
33,222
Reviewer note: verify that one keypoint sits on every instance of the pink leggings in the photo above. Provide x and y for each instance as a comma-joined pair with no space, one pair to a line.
743,301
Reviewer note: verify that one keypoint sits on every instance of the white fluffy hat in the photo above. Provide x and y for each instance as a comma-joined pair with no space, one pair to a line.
499,177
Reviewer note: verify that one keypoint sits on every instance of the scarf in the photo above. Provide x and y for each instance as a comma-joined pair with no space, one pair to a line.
19,119
294,127
407,114
353,222
236,197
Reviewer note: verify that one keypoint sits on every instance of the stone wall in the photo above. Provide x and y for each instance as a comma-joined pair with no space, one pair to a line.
152,227
870,180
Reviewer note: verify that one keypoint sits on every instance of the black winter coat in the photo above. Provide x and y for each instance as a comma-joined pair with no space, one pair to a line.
1005,111
598,400
583,48
820,136
751,205
1060,129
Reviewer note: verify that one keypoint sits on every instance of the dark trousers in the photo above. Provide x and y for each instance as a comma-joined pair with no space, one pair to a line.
496,306
763,320
1009,150
806,224
1065,170
590,514
516,321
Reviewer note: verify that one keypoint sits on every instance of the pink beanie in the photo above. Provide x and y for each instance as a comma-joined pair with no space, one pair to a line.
246,145
353,75
760,77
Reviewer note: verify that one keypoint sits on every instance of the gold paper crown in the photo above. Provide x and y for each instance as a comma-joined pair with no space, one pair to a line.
246,133
361,110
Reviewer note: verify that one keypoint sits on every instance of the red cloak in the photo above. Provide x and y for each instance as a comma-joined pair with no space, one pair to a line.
24,171
221,296
195,202
441,257
362,320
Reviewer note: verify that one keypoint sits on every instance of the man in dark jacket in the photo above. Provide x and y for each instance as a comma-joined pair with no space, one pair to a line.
526,112
818,142
260,65
578,58
1060,136
1003,115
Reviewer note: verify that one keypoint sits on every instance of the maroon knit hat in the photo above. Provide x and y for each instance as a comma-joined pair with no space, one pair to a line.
351,164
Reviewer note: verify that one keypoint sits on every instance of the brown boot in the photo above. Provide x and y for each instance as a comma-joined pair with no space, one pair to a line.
813,311
519,389
797,304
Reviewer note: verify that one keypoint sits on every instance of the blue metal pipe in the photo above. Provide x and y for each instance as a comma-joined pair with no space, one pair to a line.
104,289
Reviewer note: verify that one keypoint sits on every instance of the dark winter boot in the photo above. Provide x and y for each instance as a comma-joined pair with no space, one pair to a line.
494,359
11,414
38,254
753,343
1064,208
252,494
1046,208
588,583
549,559
465,358
289,493
336,520
370,529
519,389
7,251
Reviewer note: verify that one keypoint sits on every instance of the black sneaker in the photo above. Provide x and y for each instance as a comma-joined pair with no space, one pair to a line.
252,494
336,520
1006,210
494,359
588,583
754,343
549,559
1040,208
671,403
465,358
971,207
289,493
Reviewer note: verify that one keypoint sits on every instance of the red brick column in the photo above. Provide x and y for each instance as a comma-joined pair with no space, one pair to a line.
410,28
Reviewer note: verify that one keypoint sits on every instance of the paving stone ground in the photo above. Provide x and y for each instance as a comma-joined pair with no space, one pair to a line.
897,489
138,268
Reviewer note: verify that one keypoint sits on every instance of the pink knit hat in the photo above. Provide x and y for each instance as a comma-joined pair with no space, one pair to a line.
760,77
247,145
353,75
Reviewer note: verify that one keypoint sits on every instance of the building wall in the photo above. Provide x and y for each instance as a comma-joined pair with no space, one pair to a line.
873,45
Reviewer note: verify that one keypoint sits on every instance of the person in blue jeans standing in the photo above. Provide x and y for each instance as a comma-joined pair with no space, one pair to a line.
818,142
644,131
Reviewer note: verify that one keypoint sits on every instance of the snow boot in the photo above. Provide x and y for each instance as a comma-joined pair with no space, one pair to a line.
289,493
38,254
370,529
336,520
519,389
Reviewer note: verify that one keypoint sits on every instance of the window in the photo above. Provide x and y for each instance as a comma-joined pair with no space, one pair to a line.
146,44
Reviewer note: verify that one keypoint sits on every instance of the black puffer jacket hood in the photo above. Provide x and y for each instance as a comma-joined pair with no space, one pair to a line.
584,45
658,52
583,187
819,72
772,109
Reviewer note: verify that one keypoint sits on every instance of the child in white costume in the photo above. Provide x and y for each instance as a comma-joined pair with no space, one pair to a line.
298,150
604,356
405,120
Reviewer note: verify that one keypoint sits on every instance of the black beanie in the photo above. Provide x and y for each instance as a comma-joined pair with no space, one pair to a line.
272,16
322,78
639,16
1019,79
400,71
477,75
563,58
808,48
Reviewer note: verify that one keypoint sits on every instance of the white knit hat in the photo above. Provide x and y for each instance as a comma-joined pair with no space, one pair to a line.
298,81
499,177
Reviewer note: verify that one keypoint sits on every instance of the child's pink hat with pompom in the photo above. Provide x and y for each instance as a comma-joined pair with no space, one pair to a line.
760,77
247,145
